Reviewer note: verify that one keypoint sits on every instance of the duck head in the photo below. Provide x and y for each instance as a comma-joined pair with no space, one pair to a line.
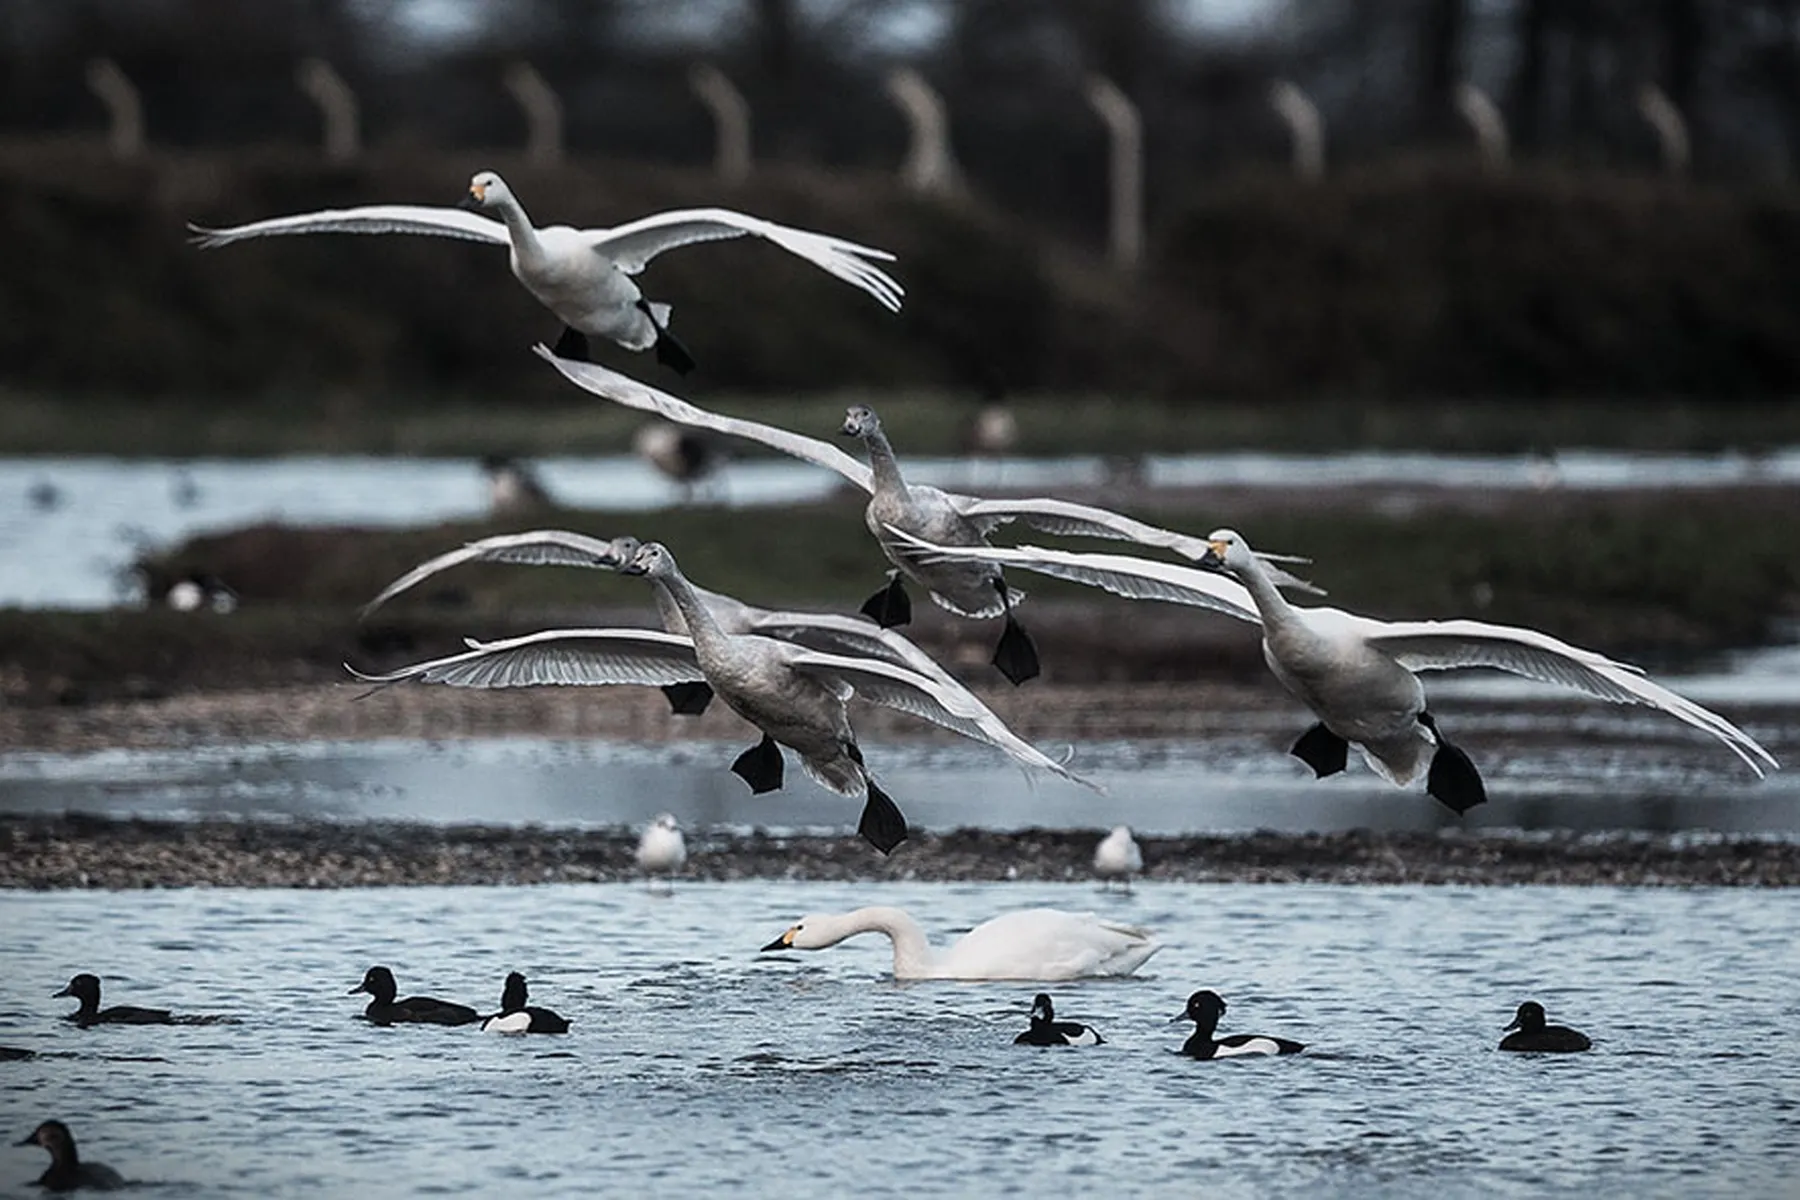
1530,1018
379,983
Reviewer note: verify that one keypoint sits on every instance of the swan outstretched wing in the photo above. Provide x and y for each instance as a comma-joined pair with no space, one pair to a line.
859,637
930,699
1122,575
535,548
632,246
620,389
370,218
1069,519
1444,645
573,657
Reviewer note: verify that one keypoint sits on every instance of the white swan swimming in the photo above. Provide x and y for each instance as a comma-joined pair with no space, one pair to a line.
584,275
797,697
831,633
1034,944
1357,674
1117,857
915,510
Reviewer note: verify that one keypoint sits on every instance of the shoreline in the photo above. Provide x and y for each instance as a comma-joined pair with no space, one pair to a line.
77,852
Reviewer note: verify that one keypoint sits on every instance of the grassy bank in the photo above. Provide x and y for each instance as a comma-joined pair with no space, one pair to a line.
1649,577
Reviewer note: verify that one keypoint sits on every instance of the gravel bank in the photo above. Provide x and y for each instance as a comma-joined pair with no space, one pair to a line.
74,851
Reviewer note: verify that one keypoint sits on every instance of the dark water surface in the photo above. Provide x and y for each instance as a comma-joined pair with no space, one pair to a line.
697,1066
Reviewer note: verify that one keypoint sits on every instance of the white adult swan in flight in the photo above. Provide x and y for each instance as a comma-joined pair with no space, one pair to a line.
797,697
584,275
945,518
1035,944
1357,674
831,633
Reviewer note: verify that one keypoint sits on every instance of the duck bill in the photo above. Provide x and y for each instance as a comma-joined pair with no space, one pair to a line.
1510,1028
358,988
53,996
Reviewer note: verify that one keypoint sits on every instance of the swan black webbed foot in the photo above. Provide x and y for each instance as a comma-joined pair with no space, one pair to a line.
669,350
1322,750
688,699
760,766
1015,654
883,825
891,606
572,345
1453,779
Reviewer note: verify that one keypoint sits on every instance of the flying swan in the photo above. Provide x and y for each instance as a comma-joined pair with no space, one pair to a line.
896,508
797,697
1040,944
831,633
1357,674
584,275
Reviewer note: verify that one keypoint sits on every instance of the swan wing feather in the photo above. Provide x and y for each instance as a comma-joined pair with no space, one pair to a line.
611,385
370,218
632,246
1446,645
534,548
572,657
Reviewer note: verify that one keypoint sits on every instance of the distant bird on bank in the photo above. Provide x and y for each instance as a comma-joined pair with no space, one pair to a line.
384,1009
584,276
1035,943
1046,1030
1359,676
662,850
199,590
513,487
898,511
687,457
85,988
1204,1009
66,1171
518,1016
1534,1035
1117,857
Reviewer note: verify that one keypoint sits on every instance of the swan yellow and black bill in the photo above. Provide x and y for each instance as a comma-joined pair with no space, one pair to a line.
1215,553
476,198
783,942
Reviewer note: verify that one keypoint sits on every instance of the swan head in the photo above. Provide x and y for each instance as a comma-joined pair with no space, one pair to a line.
1226,550
652,560
620,551
486,190
811,932
1203,1008
860,421
1530,1018
1041,1008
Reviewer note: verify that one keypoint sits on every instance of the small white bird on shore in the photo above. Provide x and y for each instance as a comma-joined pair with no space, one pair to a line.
1117,858
662,850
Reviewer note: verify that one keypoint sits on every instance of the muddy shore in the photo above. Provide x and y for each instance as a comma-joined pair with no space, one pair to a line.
73,851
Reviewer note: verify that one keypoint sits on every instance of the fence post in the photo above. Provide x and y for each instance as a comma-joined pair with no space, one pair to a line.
731,121
1654,105
1305,124
929,166
124,108
337,104
543,113
1486,122
1125,169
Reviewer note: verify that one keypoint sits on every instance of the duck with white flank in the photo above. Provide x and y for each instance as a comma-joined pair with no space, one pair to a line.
1532,1034
1117,857
661,849
1035,944
899,512
384,1009
66,1171
797,697
584,275
831,633
1204,1009
517,1016
1046,1030
1359,675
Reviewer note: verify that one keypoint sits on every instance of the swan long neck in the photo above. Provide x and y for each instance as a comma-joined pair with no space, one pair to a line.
912,952
882,463
701,626
519,229
1270,602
